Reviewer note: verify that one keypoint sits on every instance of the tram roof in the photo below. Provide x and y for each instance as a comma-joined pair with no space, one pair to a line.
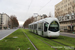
44,20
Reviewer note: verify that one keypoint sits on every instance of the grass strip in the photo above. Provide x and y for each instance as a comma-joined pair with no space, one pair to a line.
60,47
15,41
39,44
66,40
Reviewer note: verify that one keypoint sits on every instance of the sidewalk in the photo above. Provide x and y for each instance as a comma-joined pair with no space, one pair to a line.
67,34
7,29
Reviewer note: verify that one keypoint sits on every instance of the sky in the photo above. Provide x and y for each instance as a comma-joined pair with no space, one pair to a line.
24,9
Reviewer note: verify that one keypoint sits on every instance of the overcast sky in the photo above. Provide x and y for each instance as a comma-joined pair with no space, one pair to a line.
23,9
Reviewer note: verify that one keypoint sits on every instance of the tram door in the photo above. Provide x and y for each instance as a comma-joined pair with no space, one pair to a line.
45,29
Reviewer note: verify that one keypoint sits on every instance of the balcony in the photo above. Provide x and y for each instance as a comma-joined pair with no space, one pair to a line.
73,16
67,17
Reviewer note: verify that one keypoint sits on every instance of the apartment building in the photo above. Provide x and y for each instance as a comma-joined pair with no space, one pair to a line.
65,12
39,17
5,21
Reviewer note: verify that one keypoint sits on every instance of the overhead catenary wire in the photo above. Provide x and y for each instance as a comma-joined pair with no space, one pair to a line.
44,5
29,6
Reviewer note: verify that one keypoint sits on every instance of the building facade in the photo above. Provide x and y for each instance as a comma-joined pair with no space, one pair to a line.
5,21
39,17
65,12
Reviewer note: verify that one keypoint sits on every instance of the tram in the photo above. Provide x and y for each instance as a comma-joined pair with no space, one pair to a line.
48,27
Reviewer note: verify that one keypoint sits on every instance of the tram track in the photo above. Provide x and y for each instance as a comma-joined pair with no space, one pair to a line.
55,42
40,40
30,41
62,44
44,42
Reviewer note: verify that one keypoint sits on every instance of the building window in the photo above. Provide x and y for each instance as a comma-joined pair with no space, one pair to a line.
66,0
67,17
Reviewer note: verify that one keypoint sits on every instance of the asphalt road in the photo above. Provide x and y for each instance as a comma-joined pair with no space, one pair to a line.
5,33
67,34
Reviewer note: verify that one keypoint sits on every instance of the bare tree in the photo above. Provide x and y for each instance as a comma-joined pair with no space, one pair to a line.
28,21
45,16
15,22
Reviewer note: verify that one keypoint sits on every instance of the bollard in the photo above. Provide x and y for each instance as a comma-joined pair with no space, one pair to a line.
73,32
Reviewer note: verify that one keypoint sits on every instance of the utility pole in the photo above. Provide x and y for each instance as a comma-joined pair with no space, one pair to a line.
50,14
1,22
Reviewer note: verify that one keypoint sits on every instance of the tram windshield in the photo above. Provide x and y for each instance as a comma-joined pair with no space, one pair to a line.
54,26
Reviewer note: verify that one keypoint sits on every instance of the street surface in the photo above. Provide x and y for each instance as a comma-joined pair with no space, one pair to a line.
67,34
5,33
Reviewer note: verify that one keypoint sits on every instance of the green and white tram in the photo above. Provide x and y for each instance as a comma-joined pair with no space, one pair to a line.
48,27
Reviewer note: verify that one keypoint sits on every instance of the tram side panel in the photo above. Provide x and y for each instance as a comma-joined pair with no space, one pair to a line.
32,28
35,28
40,28
29,27
45,29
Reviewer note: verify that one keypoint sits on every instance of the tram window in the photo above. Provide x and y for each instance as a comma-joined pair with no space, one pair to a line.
35,26
54,26
45,26
31,26
40,26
